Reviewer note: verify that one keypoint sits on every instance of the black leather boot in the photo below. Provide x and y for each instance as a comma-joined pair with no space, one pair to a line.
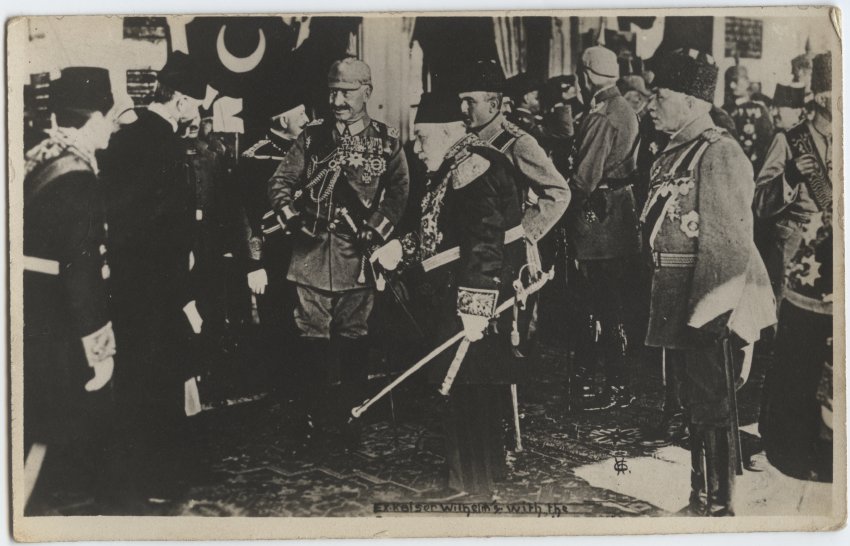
354,382
313,413
697,499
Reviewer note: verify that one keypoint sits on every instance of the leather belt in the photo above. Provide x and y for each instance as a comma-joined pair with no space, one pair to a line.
41,265
674,259
452,254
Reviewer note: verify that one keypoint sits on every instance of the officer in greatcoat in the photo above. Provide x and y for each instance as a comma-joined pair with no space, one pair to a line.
471,202
341,189
710,290
602,226
151,211
68,337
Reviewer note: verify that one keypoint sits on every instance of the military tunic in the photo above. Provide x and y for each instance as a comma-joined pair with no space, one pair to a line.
708,278
470,203
754,127
65,292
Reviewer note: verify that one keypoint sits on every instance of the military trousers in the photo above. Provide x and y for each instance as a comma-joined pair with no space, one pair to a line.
322,313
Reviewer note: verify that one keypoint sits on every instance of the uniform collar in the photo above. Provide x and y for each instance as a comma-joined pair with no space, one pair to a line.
354,128
691,130
604,94
160,110
278,139
489,129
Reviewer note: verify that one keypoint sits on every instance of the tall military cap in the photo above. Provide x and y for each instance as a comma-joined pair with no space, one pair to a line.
601,61
349,74
484,76
791,96
522,83
82,88
182,73
438,108
822,73
687,71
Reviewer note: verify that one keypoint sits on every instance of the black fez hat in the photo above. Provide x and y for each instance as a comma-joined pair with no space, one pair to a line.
288,99
438,108
522,83
82,88
687,71
484,76
822,73
801,61
182,74
791,96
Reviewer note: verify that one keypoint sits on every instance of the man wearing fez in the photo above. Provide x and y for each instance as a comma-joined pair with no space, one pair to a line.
470,202
710,291
602,226
770,203
151,212
68,338
266,255
796,418
543,189
341,189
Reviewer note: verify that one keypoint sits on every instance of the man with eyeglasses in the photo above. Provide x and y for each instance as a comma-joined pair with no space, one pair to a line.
341,190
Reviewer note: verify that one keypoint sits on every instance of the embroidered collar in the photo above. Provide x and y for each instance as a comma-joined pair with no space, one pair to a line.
59,140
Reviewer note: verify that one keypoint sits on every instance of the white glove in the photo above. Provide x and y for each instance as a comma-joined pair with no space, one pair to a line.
99,348
474,326
191,311
389,255
257,281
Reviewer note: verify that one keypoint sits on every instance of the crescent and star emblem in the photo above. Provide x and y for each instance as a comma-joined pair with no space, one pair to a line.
240,65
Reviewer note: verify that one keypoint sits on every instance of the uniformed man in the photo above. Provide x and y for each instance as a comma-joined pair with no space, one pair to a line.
470,203
710,290
341,189
151,212
752,119
68,338
602,226
267,255
545,192
771,203
524,92
797,440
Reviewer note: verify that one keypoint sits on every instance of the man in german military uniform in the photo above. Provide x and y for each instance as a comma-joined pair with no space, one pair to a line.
602,226
524,91
266,249
771,202
544,191
470,203
68,339
341,188
710,290
751,117
797,438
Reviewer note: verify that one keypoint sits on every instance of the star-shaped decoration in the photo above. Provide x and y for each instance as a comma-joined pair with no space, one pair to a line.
810,228
810,272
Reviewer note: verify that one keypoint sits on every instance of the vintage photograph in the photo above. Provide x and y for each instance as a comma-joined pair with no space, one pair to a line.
419,270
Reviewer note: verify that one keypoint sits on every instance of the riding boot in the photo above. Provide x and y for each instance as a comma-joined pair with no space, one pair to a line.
315,399
726,469
698,492
354,380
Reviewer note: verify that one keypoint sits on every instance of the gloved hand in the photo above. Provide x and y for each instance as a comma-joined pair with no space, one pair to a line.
257,281
290,218
99,348
474,326
389,255
366,237
195,320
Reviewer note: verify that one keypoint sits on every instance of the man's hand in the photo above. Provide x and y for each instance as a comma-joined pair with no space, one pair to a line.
366,237
99,348
597,204
389,255
474,326
801,168
257,281
195,320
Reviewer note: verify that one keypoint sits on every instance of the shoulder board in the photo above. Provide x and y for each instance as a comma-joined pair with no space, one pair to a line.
392,131
512,128
251,152
468,169
713,134
317,121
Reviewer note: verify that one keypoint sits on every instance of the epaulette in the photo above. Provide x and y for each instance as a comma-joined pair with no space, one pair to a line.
392,131
713,134
317,121
250,152
512,128
467,169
